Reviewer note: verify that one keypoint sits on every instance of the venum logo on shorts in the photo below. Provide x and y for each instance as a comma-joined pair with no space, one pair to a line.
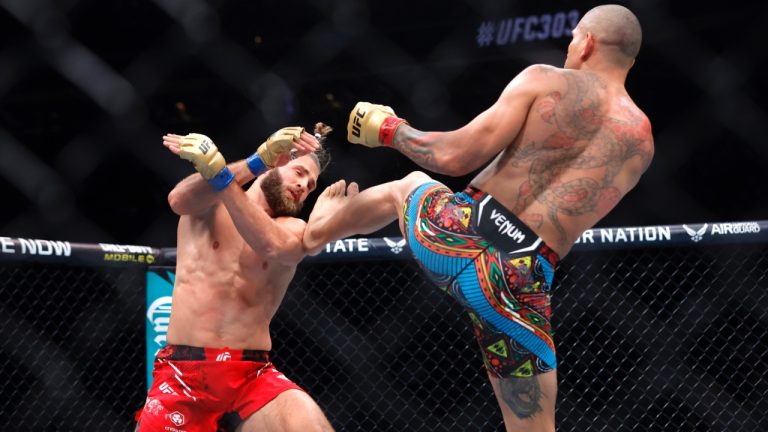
225,356
696,235
506,227
501,227
395,246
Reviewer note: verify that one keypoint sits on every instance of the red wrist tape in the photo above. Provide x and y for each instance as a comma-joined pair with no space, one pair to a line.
388,128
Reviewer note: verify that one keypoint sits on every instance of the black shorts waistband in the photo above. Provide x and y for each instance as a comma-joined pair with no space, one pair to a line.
502,228
186,352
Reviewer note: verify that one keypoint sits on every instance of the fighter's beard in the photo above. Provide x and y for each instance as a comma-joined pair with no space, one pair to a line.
272,186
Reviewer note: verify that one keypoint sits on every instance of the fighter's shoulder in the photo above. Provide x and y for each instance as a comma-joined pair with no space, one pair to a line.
538,77
541,71
635,115
544,69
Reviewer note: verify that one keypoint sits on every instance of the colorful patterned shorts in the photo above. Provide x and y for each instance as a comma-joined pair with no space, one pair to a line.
495,266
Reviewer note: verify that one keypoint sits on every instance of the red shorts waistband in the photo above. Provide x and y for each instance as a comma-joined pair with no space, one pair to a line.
186,352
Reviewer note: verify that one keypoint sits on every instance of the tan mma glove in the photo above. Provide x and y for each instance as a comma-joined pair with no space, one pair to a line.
270,150
372,125
205,156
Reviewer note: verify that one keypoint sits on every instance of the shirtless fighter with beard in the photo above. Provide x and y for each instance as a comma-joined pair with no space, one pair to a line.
237,251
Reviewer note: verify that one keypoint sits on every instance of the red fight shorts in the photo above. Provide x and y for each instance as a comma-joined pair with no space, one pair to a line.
192,388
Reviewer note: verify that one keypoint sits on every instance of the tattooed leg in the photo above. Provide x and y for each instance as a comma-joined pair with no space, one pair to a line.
527,404
522,395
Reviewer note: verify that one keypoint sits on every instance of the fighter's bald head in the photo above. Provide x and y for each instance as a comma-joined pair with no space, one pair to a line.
617,28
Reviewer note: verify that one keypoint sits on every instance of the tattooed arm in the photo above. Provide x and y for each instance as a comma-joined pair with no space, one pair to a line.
466,149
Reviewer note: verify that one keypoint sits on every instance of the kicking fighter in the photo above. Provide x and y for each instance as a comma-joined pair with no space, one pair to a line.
567,144
237,252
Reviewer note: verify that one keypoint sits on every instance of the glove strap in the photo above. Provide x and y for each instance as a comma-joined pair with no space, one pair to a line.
256,165
221,180
388,128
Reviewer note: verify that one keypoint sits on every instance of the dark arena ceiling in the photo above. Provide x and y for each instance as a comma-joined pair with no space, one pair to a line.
88,88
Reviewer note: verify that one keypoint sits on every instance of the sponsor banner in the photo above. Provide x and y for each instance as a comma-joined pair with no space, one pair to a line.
673,235
701,233
129,253
56,251
363,248
592,239
158,313
24,247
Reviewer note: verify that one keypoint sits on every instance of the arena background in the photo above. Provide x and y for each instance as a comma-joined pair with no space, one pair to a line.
87,89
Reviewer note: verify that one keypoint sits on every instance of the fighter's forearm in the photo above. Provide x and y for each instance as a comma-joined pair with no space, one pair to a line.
324,229
259,230
433,151
194,195
453,153
364,213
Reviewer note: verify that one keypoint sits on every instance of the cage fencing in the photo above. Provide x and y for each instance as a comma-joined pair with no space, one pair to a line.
658,329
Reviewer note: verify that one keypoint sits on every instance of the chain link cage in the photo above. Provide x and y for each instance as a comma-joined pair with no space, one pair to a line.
72,347
657,339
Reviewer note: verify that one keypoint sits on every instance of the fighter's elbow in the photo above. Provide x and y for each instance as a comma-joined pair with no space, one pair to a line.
313,241
176,202
313,250
454,165
456,170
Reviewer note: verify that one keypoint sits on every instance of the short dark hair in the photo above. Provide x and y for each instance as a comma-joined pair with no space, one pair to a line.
322,156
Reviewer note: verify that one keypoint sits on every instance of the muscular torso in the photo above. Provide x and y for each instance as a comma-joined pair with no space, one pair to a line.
582,147
225,293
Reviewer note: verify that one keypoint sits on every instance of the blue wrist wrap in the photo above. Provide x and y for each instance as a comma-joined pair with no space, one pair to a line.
221,180
256,165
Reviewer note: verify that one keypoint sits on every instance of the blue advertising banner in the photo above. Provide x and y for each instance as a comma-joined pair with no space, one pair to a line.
159,290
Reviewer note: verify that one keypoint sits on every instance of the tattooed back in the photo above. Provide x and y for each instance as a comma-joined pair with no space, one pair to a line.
581,147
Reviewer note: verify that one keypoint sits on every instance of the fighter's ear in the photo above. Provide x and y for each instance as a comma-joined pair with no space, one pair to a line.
589,46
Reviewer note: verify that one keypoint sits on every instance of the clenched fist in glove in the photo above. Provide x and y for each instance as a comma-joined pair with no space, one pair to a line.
372,125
